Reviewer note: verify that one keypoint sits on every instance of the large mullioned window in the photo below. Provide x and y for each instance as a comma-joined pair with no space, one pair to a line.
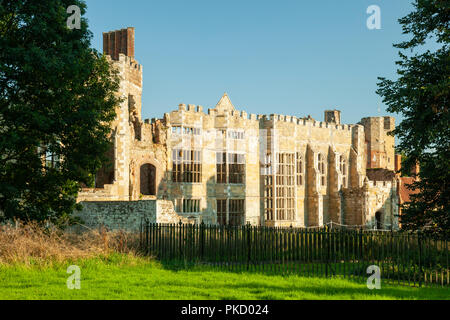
285,186
187,205
233,214
268,187
187,166
230,167
186,130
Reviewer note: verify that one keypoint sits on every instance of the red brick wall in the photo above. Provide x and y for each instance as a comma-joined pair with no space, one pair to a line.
119,41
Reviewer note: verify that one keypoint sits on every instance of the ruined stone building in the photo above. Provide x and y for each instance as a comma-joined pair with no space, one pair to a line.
224,166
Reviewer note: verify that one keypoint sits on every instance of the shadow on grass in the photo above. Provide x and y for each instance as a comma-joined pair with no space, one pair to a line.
354,274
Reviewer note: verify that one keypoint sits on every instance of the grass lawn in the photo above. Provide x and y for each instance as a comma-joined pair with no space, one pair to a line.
125,277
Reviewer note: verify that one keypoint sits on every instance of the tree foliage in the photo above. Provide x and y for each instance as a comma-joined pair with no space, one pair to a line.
57,96
421,95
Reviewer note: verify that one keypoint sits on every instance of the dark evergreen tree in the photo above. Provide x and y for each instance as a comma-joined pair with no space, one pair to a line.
421,95
57,100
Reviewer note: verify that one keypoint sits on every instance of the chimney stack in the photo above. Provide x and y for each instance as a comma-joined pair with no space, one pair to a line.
333,116
119,41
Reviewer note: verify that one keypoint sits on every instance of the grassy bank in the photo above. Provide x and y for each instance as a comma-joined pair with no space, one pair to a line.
123,276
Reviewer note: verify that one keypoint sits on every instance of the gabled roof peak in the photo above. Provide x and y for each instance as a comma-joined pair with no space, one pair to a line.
224,104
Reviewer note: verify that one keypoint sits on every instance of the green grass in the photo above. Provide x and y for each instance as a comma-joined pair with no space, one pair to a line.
124,277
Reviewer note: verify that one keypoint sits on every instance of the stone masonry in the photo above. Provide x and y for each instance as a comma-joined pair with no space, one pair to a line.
224,166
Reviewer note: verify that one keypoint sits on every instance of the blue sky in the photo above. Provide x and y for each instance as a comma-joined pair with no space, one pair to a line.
285,57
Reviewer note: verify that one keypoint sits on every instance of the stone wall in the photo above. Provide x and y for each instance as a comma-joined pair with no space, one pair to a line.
334,193
128,215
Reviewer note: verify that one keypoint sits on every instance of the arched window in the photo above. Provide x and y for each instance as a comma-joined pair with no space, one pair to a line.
321,167
343,169
148,179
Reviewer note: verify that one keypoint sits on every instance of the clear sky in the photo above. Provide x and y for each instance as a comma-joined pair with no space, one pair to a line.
285,57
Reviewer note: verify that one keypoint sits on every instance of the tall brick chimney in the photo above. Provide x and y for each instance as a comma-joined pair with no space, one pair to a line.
119,41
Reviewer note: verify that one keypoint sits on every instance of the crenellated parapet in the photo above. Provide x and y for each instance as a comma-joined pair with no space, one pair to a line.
271,169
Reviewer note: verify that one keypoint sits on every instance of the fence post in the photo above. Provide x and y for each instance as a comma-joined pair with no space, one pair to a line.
202,239
327,249
147,236
249,244
419,239
180,236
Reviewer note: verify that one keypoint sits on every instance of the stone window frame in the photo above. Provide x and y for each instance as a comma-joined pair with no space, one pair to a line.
221,211
176,130
322,169
51,159
235,134
191,130
186,166
285,186
268,187
231,211
186,130
343,168
221,167
187,205
236,212
230,167
300,169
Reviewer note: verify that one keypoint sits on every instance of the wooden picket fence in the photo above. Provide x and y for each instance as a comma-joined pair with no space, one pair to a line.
404,258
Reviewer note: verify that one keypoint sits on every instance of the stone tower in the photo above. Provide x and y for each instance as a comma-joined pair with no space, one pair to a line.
380,147
114,180
119,46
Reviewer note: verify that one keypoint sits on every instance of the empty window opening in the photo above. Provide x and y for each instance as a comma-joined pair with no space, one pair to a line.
379,220
187,205
230,168
148,179
343,169
285,186
134,118
321,168
231,212
300,169
186,166
222,212
268,187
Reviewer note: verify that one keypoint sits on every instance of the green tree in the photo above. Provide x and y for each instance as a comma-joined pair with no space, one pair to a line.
57,100
421,95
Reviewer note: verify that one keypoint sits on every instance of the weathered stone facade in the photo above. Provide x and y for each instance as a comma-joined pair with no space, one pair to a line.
227,166
128,215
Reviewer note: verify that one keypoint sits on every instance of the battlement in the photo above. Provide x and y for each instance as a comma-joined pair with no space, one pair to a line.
304,122
386,122
380,184
130,62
